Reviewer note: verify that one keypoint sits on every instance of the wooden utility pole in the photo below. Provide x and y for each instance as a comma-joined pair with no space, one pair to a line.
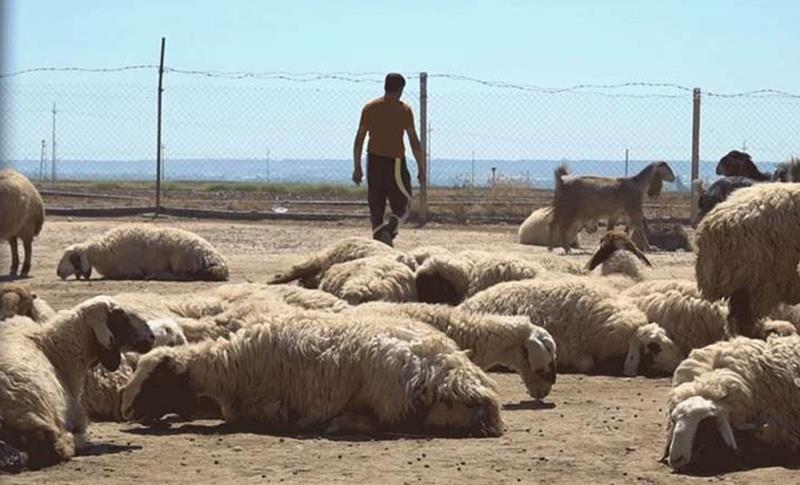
158,129
695,150
53,142
423,131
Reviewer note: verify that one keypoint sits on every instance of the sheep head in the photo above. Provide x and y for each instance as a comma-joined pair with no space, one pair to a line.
695,428
75,261
660,173
651,352
160,386
115,330
539,353
612,241
739,163
167,332
16,300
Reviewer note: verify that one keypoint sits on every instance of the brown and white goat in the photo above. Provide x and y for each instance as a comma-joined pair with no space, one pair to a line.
583,198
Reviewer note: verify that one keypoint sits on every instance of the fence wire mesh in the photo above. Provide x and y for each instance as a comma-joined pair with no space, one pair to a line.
282,142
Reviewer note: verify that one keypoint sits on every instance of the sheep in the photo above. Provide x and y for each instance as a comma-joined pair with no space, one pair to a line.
733,401
311,370
590,198
748,250
370,279
21,217
442,279
310,271
668,237
102,388
42,371
592,327
139,251
736,163
18,299
509,341
535,230
491,269
643,288
719,191
788,171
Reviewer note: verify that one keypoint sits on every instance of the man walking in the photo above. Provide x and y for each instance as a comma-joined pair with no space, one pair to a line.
386,119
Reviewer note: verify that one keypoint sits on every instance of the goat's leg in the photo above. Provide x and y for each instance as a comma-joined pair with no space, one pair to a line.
639,236
28,246
611,224
554,224
14,256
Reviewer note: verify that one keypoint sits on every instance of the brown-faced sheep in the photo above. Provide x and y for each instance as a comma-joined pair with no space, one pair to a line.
21,216
311,370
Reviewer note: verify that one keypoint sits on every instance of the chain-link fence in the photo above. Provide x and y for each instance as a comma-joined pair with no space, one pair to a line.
281,143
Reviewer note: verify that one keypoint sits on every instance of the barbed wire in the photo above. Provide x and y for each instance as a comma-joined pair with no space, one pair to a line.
79,69
373,77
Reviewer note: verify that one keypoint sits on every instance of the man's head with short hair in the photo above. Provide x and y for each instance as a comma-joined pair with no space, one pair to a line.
394,84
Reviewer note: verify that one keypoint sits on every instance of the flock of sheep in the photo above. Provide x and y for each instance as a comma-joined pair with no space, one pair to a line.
361,337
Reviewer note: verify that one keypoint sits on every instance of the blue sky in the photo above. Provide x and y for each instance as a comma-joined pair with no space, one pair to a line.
722,46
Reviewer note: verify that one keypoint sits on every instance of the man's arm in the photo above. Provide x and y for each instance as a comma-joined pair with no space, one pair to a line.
358,147
419,155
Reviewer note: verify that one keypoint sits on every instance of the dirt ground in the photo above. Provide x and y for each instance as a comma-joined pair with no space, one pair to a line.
589,430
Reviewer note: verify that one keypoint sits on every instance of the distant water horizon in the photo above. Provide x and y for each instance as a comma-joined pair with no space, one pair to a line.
443,172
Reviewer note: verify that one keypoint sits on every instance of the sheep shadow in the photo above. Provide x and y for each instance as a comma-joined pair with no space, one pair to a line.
98,449
223,429
529,405
8,278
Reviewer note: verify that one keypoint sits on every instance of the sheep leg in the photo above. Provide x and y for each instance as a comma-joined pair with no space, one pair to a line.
353,423
26,266
14,255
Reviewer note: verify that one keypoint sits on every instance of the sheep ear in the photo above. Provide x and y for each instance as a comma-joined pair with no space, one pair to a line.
632,247
632,360
86,267
600,256
110,358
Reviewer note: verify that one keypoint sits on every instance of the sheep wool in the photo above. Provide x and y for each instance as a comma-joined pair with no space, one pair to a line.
374,278
535,230
748,250
510,341
746,391
592,327
42,371
140,251
22,216
310,271
305,370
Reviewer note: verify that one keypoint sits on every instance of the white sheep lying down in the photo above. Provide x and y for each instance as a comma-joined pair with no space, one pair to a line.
374,278
139,251
595,330
311,270
733,401
314,370
511,341
42,372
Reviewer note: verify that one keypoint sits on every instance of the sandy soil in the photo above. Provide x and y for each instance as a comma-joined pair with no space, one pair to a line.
590,429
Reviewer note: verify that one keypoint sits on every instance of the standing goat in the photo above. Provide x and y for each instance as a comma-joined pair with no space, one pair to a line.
590,198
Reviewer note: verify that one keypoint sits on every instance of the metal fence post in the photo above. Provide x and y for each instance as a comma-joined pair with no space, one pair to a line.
695,151
158,130
423,131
